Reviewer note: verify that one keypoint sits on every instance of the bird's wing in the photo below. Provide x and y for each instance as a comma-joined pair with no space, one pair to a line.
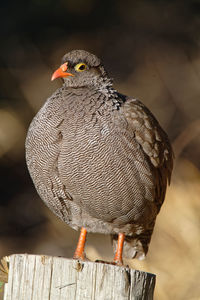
153,141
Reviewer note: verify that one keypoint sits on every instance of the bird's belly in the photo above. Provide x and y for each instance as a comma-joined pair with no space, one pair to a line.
106,178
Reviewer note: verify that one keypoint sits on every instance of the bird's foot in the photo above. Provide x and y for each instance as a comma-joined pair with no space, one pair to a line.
103,262
118,262
114,263
118,254
79,252
79,256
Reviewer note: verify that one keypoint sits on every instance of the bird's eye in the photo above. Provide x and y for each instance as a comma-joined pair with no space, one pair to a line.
80,67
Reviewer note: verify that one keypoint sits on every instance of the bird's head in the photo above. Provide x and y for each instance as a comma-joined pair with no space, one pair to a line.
80,68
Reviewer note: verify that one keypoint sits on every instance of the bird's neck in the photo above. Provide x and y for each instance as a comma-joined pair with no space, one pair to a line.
101,85
104,85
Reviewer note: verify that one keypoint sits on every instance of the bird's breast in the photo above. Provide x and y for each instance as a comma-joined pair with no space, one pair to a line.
102,168
89,155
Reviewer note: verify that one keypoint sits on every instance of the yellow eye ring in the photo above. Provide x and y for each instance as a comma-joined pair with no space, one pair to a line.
80,67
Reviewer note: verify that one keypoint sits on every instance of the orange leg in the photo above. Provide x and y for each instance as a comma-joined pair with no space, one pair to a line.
79,253
118,255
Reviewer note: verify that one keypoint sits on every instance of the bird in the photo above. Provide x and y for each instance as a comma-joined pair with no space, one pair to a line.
99,159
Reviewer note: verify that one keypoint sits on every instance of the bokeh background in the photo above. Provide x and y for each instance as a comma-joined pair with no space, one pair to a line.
152,49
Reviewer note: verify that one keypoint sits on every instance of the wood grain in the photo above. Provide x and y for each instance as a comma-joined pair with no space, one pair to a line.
39,277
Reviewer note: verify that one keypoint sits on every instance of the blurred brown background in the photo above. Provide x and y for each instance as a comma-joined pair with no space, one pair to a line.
152,49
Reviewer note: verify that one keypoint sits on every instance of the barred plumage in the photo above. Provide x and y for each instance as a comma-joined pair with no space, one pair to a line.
99,159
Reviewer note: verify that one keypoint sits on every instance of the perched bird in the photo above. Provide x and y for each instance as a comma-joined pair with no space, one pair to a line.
99,159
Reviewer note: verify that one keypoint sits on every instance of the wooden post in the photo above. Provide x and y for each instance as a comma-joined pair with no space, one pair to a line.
39,277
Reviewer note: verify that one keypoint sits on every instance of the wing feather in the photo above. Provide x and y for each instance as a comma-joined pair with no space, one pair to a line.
154,142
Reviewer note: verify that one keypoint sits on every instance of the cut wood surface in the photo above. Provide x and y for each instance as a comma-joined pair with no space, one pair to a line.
40,277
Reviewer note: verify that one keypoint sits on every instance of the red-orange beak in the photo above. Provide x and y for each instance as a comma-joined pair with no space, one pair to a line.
61,72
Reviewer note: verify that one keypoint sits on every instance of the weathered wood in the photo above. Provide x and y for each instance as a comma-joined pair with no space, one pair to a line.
39,277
